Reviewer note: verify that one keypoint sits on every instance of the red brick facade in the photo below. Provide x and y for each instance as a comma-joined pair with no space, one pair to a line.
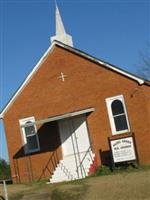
87,84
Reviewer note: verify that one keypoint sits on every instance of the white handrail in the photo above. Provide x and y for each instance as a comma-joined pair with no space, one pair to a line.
81,163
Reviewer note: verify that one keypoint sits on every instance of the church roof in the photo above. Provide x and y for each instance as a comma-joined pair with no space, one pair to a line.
80,53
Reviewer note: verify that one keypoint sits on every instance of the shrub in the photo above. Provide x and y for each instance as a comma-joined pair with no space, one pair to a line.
103,170
4,170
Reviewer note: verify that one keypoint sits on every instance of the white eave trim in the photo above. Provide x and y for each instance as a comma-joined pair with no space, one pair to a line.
59,117
109,66
27,79
139,80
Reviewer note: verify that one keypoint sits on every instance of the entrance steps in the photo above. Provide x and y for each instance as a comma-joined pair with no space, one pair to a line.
73,167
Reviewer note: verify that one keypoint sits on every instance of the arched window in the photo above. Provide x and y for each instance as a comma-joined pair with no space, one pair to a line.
117,115
30,137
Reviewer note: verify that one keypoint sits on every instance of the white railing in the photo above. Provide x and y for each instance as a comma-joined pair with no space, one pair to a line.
81,165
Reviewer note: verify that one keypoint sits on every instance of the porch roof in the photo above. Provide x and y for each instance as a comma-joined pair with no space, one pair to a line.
59,117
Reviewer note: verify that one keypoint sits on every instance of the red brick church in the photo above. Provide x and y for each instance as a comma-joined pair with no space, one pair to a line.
75,112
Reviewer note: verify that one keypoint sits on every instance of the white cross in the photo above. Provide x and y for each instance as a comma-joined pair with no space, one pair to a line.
62,76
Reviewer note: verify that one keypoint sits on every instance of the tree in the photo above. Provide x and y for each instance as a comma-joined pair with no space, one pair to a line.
4,170
144,68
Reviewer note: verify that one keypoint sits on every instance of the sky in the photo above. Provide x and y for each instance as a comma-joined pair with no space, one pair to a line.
116,31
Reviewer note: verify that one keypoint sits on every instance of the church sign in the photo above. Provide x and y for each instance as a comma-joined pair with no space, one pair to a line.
123,149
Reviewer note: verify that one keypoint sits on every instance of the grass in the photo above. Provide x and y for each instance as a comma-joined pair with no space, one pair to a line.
132,184
17,196
74,193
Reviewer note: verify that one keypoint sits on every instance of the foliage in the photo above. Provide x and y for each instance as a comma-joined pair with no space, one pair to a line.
4,170
103,170
124,168
144,67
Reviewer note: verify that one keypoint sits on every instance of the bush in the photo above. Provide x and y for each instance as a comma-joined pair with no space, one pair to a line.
4,170
119,168
126,167
103,170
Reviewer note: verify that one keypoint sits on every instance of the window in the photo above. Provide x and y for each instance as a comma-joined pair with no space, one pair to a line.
30,137
117,115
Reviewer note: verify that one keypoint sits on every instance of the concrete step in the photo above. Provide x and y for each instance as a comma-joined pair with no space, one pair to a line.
66,170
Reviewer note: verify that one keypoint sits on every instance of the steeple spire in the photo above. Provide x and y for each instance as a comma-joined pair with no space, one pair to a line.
61,34
59,24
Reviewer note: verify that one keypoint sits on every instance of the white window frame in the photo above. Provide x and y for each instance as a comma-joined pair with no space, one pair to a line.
24,138
110,114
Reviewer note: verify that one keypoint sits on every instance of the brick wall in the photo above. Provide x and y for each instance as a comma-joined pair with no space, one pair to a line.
87,85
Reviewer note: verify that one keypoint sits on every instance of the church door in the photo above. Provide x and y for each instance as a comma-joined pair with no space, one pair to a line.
74,136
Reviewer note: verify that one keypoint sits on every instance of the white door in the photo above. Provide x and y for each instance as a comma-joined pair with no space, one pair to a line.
74,135
81,133
66,137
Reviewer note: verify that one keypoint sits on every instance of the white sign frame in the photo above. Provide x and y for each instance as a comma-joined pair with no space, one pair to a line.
123,149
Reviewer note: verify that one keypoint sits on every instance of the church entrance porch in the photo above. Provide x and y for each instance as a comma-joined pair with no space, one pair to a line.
67,137
77,155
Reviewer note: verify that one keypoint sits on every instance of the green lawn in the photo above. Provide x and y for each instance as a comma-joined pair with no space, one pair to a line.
122,186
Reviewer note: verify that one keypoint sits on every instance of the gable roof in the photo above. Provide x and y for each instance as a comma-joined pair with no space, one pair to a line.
78,52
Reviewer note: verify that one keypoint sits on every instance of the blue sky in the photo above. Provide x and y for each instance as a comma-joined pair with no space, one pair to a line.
116,31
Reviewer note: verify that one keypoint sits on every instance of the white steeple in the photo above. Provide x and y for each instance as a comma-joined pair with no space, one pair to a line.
61,34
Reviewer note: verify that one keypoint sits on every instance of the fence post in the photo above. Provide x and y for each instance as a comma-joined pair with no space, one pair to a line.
5,190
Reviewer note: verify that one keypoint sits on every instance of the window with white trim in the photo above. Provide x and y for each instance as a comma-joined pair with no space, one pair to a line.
117,114
30,137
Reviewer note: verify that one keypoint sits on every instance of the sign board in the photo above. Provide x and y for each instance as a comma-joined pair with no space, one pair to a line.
123,149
